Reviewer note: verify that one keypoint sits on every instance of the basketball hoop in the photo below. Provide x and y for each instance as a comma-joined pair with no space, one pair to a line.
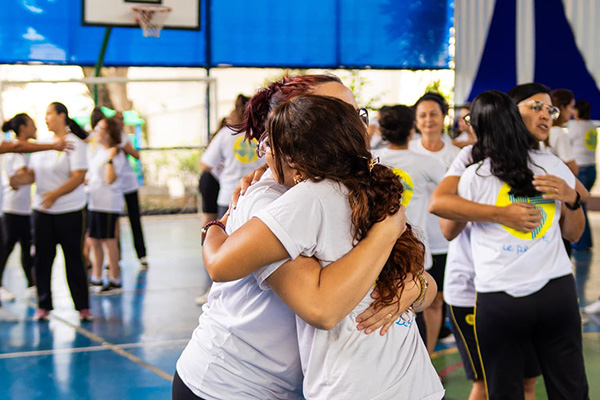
151,18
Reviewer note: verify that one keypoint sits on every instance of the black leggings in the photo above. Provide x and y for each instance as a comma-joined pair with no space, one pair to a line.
67,230
133,210
182,392
549,320
17,228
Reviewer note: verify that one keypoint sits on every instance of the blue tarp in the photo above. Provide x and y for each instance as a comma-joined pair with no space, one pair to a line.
412,34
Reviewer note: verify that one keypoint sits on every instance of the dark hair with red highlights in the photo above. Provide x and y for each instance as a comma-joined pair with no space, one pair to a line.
561,97
324,138
267,98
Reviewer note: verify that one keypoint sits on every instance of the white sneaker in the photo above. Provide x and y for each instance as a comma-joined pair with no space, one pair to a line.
7,316
202,299
450,339
31,292
5,295
144,263
593,308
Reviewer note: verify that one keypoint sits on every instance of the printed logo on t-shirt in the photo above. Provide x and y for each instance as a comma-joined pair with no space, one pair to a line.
470,319
407,182
591,139
244,151
547,208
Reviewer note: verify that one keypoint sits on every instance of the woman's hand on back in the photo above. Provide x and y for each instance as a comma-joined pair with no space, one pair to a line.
555,188
62,144
394,224
245,183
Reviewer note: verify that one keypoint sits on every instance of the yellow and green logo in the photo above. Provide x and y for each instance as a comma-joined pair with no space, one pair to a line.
591,139
547,208
407,182
244,151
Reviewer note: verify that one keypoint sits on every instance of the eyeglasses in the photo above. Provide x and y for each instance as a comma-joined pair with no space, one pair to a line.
467,119
264,146
537,106
364,115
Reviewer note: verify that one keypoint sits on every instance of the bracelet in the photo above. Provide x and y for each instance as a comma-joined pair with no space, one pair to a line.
211,223
577,203
424,285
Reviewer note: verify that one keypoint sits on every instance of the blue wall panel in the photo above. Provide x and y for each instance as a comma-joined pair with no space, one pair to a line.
258,33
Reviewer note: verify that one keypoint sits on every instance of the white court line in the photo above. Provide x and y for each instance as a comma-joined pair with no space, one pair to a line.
110,346
35,353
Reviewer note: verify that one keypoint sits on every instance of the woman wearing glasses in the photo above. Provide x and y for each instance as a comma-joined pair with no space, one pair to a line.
525,287
255,319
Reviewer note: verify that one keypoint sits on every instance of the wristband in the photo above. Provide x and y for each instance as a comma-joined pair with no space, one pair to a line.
109,161
424,285
211,223
577,203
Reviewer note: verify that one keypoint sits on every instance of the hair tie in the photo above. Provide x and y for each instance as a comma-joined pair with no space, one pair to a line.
371,162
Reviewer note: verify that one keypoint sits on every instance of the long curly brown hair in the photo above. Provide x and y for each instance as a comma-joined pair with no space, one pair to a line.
324,138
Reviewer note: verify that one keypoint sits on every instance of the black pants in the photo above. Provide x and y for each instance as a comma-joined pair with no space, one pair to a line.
182,392
133,210
17,228
550,321
67,230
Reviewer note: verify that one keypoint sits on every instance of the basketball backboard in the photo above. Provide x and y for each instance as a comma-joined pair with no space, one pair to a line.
185,14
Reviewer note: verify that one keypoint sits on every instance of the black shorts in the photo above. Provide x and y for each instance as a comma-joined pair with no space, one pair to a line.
438,269
209,190
462,322
102,225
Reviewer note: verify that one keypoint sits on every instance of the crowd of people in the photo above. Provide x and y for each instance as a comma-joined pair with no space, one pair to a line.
82,180
352,227
349,242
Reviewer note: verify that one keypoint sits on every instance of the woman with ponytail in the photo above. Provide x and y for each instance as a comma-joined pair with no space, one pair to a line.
260,357
16,206
58,211
524,282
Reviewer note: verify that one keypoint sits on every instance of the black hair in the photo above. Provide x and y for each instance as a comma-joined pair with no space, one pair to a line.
526,90
96,116
15,123
504,139
73,126
561,97
584,109
434,96
396,123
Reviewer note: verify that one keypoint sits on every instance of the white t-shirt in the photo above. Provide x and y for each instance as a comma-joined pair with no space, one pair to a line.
505,259
417,171
439,244
16,201
459,285
52,169
130,180
583,137
313,219
238,158
560,145
106,197
245,346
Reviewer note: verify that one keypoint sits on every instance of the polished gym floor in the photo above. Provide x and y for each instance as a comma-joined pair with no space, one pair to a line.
129,351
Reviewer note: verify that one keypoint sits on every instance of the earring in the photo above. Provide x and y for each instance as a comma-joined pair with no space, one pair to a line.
298,179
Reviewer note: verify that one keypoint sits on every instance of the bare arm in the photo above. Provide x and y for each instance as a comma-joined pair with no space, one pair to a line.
76,179
372,318
446,203
22,146
572,222
573,167
128,149
324,296
24,176
109,174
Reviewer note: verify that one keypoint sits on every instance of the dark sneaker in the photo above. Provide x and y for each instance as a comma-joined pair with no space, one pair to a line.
110,288
85,315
